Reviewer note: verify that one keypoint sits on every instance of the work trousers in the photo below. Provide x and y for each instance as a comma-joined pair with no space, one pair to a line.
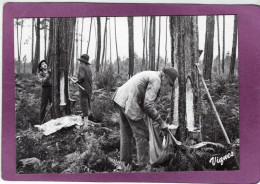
46,97
138,130
84,103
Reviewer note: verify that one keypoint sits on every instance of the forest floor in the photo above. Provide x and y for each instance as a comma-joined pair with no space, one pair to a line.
96,148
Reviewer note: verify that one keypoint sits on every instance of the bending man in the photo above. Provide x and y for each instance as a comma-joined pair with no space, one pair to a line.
134,100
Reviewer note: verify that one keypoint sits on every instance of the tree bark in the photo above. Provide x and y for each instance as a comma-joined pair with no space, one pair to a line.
50,39
146,46
194,71
105,51
60,56
89,36
131,46
77,48
223,52
182,78
117,58
174,41
18,46
152,43
32,42
208,54
219,66
45,38
98,44
37,48
21,40
110,45
81,38
234,50
104,46
158,55
165,60
144,38
71,64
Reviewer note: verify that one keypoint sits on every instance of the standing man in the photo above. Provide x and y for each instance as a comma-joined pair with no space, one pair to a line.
85,80
135,99
44,77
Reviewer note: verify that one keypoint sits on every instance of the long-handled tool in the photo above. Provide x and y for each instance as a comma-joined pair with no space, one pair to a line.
215,111
73,80
213,106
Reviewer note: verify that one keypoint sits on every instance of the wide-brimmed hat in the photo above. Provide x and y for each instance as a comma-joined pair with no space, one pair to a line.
84,58
40,64
171,73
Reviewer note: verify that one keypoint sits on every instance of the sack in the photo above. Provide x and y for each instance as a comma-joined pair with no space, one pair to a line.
161,148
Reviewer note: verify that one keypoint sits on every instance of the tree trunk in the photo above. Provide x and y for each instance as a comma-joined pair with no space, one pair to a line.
32,42
50,42
110,41
219,66
194,72
37,48
173,33
223,52
21,40
152,43
89,36
18,45
77,48
165,60
117,58
185,54
105,51
182,78
144,38
98,44
104,45
81,38
45,40
234,50
60,58
71,69
158,55
131,46
95,27
146,45
209,43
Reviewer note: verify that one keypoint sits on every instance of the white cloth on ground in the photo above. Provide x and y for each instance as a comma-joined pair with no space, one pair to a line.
54,125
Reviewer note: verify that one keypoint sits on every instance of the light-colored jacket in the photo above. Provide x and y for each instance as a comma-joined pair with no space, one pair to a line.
137,96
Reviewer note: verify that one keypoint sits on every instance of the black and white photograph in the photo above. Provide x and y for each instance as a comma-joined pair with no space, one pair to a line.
126,94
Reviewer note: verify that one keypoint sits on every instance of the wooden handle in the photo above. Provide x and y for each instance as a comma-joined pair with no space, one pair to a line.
214,108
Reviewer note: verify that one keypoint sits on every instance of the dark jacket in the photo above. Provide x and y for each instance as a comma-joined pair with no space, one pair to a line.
45,78
85,79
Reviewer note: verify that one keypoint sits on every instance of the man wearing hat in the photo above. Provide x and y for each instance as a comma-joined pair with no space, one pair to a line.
44,76
85,80
136,99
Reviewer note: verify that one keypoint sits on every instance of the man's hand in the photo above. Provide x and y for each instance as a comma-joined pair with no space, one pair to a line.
164,129
164,125
74,79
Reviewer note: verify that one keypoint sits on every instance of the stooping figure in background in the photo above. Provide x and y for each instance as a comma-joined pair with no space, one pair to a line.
136,99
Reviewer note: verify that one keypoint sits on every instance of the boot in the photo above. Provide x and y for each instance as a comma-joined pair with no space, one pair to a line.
86,122
80,123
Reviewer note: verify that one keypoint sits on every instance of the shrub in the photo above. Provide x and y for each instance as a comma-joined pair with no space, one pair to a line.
100,109
106,79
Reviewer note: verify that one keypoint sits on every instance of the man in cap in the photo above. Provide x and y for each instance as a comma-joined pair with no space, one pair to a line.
44,76
85,80
136,99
